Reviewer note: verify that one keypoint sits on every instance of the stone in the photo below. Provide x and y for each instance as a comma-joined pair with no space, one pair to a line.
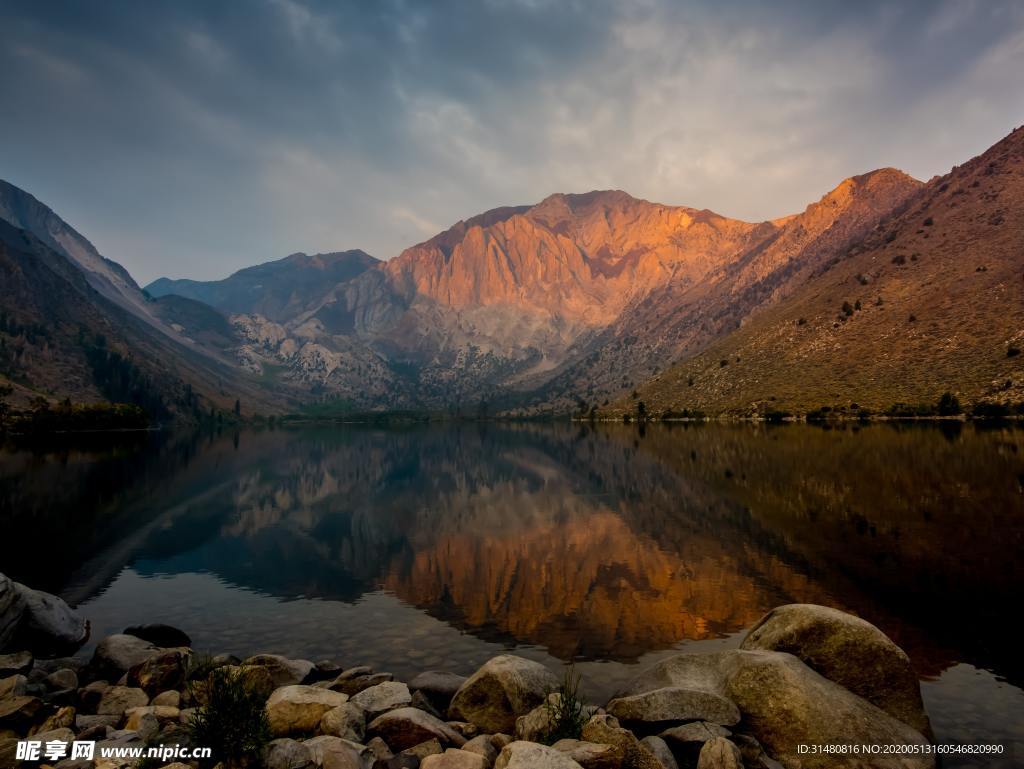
19,713
419,700
159,672
64,718
12,609
347,721
12,664
162,713
379,748
298,709
535,725
170,699
13,686
115,655
336,753
48,624
60,734
590,755
382,698
90,695
286,753
83,722
65,678
530,755
688,739
849,651
283,671
500,740
327,670
661,751
719,753
438,686
405,727
482,745
606,730
255,678
785,704
164,636
675,703
118,699
503,689
753,754
454,758
352,685
431,747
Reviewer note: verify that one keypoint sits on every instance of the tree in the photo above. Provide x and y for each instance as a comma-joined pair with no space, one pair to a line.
641,411
949,405
238,408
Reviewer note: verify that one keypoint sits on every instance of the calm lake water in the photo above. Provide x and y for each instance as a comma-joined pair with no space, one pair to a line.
437,547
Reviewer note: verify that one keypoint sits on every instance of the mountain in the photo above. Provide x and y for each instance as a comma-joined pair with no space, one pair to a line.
929,301
276,290
75,325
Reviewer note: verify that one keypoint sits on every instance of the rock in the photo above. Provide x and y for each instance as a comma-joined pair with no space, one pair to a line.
453,758
65,678
118,699
431,747
169,699
336,753
327,670
12,608
13,686
753,754
164,636
283,671
347,721
12,664
437,686
660,750
255,678
286,754
849,651
605,730
160,672
537,724
405,727
530,755
48,624
466,729
115,655
675,703
352,685
64,718
298,709
500,740
83,722
382,698
688,739
19,713
89,696
719,753
590,755
379,748
162,713
482,745
785,704
60,734
505,688
419,700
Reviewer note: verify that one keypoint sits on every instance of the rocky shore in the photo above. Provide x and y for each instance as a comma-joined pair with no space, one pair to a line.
805,677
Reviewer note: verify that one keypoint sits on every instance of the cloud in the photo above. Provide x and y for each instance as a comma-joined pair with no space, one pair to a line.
196,138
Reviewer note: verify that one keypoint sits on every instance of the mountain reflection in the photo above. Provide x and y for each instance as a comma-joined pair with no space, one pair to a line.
593,543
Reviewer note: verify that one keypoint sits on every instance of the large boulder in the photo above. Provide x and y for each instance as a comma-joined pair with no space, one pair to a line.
675,703
164,636
505,688
48,625
848,650
530,755
382,698
12,608
283,671
405,727
606,730
115,655
159,673
298,709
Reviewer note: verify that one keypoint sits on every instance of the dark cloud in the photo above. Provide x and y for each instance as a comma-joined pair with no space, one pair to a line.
193,138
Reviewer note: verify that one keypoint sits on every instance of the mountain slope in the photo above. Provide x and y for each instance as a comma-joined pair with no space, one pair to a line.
932,300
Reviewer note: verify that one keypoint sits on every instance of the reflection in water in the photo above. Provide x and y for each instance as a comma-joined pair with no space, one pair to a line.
601,545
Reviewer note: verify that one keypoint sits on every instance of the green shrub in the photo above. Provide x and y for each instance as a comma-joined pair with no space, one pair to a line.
565,712
233,722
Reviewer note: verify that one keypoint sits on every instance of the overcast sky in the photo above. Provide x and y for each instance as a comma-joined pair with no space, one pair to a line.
190,139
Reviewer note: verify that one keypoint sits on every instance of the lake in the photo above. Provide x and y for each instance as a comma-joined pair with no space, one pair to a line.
436,547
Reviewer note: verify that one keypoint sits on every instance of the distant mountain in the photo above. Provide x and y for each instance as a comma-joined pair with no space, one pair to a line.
929,301
75,325
276,290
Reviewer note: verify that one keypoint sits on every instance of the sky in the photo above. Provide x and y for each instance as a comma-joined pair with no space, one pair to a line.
194,138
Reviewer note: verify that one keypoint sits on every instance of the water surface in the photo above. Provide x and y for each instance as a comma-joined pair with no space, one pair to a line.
438,547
